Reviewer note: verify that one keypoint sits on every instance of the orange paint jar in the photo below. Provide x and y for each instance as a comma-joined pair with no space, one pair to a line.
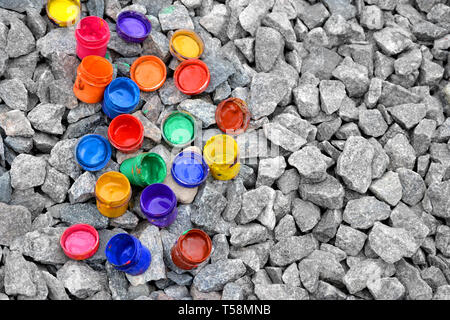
113,192
149,73
93,75
193,247
232,116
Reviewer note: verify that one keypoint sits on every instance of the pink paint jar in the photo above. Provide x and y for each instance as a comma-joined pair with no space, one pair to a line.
92,34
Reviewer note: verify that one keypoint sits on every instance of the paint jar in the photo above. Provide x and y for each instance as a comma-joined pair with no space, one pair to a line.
145,169
93,75
159,205
92,152
186,44
192,77
80,241
113,192
133,26
179,129
221,153
149,72
232,116
63,13
192,248
126,253
121,96
92,35
126,133
189,169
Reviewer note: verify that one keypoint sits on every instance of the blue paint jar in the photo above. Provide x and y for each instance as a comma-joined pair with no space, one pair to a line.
121,96
93,152
189,169
126,253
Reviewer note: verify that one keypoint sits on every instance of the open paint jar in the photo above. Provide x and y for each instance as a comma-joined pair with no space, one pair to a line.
145,169
221,153
92,152
80,241
159,204
179,128
189,169
121,96
113,192
63,12
192,77
126,253
133,26
232,116
94,73
149,72
186,44
126,133
192,248
92,35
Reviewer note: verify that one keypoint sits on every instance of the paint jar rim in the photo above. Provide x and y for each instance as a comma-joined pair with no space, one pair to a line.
122,119
191,34
91,79
158,188
205,80
80,227
125,183
188,116
137,16
130,86
96,166
244,109
204,235
136,252
142,59
199,158
62,23
208,148
95,43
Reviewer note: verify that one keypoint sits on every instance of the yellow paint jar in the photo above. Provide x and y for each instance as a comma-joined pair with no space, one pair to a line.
186,44
63,12
221,153
113,192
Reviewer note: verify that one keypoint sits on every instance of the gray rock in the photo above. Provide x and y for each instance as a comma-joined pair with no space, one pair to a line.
214,276
392,95
354,76
350,240
175,17
400,152
269,170
291,249
117,282
413,186
285,227
201,109
362,213
220,70
288,181
44,142
443,240
391,41
83,213
320,265
332,94
314,15
442,293
306,97
19,278
81,280
122,47
243,235
283,137
361,274
246,46
256,203
310,163
372,123
5,188
14,94
434,277
279,21
409,276
20,39
388,188
62,158
250,18
170,94
15,222
306,214
232,291
403,217
16,124
269,44
83,188
430,73
386,289
437,193
56,185
59,41
82,127
326,229
55,287
209,205
19,144
422,135
408,115
27,171
280,291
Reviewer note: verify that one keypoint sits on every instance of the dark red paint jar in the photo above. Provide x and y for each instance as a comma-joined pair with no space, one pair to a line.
126,133
232,116
192,248
192,77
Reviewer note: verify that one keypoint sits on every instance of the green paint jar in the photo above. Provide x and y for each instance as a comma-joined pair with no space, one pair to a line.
145,169
179,129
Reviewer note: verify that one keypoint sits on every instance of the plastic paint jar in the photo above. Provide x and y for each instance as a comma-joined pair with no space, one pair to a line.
186,44
93,75
149,73
92,35
126,133
159,205
113,192
121,96
80,241
92,152
232,116
192,77
192,248
145,169
179,128
63,12
133,26
126,253
189,169
221,153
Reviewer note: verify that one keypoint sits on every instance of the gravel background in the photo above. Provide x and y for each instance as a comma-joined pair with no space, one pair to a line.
345,191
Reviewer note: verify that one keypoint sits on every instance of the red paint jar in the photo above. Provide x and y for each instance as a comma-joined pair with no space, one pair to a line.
192,248
80,241
192,77
232,116
126,133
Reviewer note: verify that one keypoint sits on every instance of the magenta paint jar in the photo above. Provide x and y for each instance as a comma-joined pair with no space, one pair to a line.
92,35
159,204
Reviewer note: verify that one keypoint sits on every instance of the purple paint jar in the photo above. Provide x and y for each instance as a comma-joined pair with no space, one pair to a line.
133,26
159,204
